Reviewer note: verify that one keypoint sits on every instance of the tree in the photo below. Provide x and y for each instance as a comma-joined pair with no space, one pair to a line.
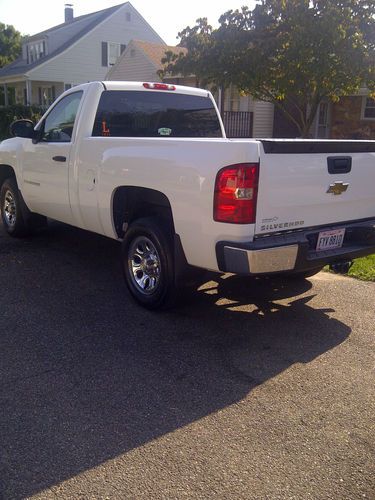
10,44
293,53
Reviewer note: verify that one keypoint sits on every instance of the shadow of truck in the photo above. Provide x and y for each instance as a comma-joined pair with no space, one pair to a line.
86,375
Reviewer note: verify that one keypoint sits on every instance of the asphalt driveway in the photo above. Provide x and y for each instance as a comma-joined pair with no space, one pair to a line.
247,390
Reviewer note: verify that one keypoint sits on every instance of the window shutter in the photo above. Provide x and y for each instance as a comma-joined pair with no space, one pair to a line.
27,54
40,95
104,54
53,93
44,48
122,48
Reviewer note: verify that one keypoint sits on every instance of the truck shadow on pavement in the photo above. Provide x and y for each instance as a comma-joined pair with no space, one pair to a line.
86,375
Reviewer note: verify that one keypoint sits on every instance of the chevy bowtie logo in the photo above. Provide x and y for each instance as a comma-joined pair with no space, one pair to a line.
338,187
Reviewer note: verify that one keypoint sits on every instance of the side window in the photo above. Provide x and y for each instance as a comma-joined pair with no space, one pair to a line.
58,126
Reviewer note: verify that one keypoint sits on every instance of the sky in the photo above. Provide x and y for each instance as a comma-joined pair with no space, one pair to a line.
166,17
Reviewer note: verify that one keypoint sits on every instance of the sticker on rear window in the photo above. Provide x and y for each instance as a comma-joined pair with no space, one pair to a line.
164,131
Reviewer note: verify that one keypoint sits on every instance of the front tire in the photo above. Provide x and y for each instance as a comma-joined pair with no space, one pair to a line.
148,263
12,210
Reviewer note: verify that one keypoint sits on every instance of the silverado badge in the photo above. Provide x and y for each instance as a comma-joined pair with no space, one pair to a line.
338,187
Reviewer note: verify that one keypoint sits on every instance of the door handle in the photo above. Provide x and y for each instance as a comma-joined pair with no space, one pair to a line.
59,158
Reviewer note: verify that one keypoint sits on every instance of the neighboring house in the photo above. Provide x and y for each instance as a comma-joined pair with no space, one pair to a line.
77,51
352,117
243,116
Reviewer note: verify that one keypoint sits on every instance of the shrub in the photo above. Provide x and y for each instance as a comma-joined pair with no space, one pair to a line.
15,112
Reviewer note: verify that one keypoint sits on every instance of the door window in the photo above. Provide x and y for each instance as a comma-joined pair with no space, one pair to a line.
58,126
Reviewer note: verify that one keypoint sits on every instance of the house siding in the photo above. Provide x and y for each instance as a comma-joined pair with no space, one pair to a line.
346,122
135,67
263,119
82,61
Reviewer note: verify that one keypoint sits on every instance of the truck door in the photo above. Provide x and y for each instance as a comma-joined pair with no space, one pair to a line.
45,165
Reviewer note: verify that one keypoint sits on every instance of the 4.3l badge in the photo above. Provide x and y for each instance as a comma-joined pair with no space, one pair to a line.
338,187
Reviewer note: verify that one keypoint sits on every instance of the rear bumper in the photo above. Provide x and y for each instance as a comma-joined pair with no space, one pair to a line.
294,252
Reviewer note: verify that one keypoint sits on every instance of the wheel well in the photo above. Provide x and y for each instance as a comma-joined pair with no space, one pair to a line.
131,203
5,172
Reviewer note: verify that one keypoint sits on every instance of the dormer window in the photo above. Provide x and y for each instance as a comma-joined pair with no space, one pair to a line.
35,51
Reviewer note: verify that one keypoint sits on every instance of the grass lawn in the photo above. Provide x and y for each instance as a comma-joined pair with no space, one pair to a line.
363,269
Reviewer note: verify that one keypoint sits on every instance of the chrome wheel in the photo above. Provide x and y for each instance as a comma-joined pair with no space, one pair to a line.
9,208
144,265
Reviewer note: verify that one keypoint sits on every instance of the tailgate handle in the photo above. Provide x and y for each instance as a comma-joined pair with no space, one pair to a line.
339,164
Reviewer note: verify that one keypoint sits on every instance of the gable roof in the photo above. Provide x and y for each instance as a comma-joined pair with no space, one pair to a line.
90,20
154,52
83,24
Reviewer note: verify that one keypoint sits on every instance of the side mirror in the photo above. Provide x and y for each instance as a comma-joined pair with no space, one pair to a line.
23,128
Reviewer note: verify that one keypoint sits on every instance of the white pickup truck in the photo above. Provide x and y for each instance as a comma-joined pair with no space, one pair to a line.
149,164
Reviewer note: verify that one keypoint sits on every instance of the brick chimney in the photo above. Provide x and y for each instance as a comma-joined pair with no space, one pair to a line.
68,12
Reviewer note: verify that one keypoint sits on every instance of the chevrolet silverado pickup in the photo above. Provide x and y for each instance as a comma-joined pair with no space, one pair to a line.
149,164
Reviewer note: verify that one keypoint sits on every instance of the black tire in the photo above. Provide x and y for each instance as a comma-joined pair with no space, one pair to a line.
148,263
14,213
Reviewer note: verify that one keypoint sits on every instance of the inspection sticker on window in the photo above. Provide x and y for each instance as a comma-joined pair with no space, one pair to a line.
164,131
328,240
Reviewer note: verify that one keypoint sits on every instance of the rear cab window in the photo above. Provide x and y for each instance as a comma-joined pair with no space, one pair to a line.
132,113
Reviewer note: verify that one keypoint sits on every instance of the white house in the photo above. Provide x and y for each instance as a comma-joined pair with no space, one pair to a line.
79,50
242,115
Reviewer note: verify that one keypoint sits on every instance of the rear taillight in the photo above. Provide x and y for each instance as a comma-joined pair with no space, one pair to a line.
159,86
236,190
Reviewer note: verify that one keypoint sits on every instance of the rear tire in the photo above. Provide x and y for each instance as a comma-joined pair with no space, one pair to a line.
148,263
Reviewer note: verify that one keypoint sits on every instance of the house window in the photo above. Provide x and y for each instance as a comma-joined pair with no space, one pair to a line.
46,96
114,51
35,51
368,108
323,121
111,52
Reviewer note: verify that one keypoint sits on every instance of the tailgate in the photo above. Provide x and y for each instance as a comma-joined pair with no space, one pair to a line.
306,183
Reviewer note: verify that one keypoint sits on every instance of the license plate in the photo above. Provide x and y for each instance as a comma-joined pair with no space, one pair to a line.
328,240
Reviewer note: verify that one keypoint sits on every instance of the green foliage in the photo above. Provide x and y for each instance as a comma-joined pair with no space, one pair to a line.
10,44
364,268
10,113
293,53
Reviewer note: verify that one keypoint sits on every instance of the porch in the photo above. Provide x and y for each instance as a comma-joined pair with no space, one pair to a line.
29,92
